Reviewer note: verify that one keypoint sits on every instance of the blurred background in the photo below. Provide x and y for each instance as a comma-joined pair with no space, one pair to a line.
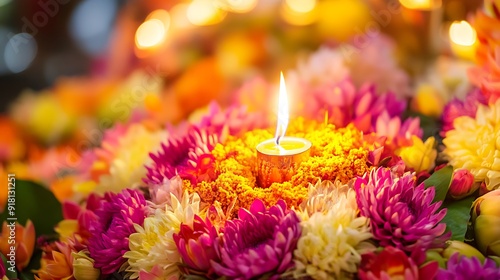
43,40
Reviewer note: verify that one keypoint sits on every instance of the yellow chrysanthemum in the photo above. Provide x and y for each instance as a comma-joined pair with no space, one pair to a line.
153,243
333,236
474,144
128,166
420,156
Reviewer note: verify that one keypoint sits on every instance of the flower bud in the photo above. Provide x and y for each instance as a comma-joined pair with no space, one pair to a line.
83,267
464,249
485,214
462,184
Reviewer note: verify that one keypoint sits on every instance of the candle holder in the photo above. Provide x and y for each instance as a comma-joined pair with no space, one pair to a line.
278,163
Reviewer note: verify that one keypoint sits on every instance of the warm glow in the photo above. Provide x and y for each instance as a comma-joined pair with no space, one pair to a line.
462,33
178,14
299,12
421,4
204,12
301,6
150,33
161,15
283,115
237,6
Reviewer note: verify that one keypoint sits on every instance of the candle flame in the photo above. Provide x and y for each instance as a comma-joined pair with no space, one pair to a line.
283,114
462,33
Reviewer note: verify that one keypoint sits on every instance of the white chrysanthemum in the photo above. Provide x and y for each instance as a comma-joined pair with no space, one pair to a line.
131,156
324,66
153,244
333,236
474,144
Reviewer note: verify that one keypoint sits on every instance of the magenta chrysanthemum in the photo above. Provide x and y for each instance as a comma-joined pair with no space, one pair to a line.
464,268
110,232
235,119
186,155
457,108
260,242
401,214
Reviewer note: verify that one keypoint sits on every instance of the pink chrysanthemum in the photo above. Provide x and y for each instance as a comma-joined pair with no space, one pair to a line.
401,214
345,104
187,155
235,119
463,268
457,108
258,244
110,232
196,246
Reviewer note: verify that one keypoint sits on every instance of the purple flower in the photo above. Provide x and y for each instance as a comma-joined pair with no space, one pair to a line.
401,214
458,108
109,233
260,242
187,155
461,267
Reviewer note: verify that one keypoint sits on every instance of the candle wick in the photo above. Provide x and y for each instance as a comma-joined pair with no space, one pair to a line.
278,140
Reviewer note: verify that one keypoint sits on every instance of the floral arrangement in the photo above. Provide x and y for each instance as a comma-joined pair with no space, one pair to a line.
384,194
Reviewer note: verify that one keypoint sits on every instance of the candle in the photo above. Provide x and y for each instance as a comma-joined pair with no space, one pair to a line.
278,159
463,40
426,17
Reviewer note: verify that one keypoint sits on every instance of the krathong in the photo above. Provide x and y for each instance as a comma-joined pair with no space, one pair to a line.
358,171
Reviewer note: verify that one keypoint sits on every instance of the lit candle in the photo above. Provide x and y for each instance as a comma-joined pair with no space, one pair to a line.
278,159
463,40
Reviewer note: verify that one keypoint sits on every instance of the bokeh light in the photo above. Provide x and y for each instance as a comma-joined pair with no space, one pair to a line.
19,52
462,33
204,12
92,23
421,4
301,6
150,33
237,6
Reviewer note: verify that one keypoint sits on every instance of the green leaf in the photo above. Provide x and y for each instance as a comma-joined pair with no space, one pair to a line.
441,180
457,217
34,202
9,273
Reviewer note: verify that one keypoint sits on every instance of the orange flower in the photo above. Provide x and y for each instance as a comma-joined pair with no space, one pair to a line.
56,263
11,147
201,83
18,241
